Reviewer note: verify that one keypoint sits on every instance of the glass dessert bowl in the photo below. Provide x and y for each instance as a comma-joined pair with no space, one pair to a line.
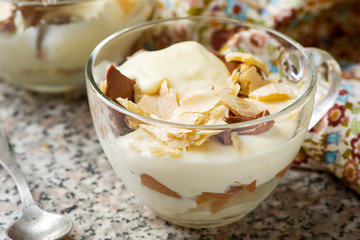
201,117
44,45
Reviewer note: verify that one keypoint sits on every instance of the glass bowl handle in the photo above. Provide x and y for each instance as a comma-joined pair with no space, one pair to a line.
328,83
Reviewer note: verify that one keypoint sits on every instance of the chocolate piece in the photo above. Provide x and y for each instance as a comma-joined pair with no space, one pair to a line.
227,194
34,15
231,191
118,85
251,130
153,184
232,65
240,118
219,201
282,172
225,136
248,187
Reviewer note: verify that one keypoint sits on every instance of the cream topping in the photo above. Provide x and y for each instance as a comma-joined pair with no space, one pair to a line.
199,75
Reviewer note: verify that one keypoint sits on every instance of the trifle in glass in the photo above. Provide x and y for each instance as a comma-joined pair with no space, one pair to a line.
201,117
44,45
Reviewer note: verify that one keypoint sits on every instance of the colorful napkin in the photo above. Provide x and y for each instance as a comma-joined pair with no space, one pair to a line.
333,25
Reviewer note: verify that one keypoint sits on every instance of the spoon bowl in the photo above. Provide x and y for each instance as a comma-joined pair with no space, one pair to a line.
37,224
34,223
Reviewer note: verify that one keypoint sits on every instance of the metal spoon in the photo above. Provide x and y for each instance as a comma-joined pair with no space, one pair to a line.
34,223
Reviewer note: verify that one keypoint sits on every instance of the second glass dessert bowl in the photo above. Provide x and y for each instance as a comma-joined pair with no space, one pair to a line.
44,45
195,163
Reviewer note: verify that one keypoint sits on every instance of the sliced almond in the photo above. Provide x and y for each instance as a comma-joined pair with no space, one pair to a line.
240,106
249,59
232,89
163,104
199,103
170,136
132,106
250,80
272,92
165,151
236,141
216,116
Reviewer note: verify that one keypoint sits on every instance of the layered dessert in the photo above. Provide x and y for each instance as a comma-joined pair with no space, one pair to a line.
47,44
210,175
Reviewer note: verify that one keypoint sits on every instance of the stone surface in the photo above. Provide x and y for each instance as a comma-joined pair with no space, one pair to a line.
55,144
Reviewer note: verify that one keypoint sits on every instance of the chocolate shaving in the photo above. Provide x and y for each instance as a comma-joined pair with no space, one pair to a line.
225,136
153,184
240,118
248,187
32,14
227,194
231,66
231,191
118,85
282,172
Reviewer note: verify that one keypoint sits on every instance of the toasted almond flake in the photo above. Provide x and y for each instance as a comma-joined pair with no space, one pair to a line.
235,76
250,80
165,151
199,103
168,101
103,86
249,59
216,116
272,92
149,104
244,67
186,118
137,93
163,104
170,136
178,138
240,106
236,141
132,106
232,89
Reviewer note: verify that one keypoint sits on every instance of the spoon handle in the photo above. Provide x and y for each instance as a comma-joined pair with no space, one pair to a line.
9,163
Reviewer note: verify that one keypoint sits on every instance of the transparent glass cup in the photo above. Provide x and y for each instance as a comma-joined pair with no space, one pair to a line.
213,184
44,45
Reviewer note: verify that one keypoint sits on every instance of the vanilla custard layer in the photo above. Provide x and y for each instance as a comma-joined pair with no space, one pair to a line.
212,167
187,76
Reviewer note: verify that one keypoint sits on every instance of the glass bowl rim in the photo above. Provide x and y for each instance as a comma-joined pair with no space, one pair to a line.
91,81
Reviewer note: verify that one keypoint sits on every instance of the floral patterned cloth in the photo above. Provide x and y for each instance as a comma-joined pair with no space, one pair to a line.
334,25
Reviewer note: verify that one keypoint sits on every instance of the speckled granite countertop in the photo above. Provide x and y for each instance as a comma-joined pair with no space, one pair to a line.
56,146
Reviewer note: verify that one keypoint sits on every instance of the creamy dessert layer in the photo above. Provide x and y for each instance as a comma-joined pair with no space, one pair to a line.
201,175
